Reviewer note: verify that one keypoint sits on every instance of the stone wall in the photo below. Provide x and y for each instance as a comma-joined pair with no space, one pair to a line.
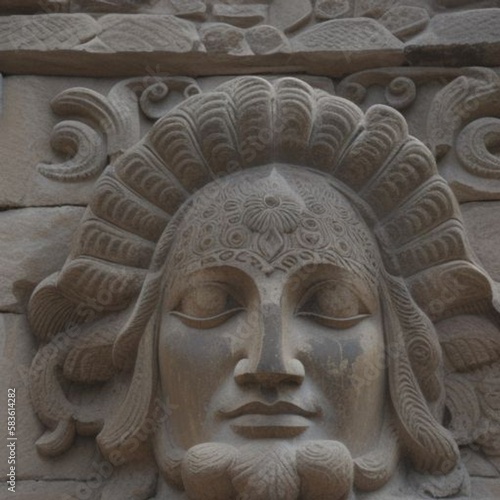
84,81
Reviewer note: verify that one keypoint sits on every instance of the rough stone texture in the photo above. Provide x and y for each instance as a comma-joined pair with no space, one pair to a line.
482,222
17,348
453,111
403,21
51,490
107,46
140,33
121,44
360,43
26,124
34,242
46,32
486,489
458,39
31,6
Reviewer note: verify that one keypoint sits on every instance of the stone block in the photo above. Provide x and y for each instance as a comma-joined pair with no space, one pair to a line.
130,44
465,38
26,125
49,490
485,488
46,32
34,243
144,33
17,348
482,221
343,45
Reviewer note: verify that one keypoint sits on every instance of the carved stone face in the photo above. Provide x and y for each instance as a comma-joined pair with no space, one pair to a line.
271,325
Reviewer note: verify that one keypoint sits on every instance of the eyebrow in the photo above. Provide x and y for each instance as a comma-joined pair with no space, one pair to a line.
326,272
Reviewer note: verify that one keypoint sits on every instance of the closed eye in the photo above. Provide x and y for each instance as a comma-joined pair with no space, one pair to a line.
206,306
205,323
333,304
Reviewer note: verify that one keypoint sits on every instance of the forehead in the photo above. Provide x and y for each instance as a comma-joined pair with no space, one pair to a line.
273,219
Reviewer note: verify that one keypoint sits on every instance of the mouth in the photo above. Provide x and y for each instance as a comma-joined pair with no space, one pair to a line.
279,420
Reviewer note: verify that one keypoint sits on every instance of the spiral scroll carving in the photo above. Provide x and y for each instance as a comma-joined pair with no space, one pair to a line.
477,146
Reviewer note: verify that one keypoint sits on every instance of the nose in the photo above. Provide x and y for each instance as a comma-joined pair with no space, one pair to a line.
268,363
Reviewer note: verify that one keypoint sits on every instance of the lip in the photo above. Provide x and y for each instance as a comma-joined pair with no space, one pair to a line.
278,420
259,408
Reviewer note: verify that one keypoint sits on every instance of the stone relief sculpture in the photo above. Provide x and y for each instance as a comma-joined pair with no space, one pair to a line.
289,277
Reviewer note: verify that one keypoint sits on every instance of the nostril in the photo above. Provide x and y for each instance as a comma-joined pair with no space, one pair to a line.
291,372
296,368
241,371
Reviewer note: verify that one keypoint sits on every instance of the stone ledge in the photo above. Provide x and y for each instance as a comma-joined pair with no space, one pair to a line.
459,39
128,44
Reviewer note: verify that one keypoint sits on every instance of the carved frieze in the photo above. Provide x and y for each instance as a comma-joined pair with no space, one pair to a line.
331,37
458,118
453,111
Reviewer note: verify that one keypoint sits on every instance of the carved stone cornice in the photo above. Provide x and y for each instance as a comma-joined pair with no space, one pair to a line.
327,38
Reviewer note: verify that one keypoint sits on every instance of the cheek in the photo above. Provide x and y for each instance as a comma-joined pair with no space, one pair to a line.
348,368
193,364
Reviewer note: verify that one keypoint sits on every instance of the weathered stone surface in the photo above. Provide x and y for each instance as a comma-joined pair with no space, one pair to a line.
145,33
482,220
30,6
115,32
17,348
195,9
240,15
347,35
485,489
51,490
121,44
27,238
405,21
458,39
26,124
46,32
288,15
266,40
225,39
348,43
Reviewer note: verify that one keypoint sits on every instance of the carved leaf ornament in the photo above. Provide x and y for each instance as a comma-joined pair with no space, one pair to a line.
119,252
115,121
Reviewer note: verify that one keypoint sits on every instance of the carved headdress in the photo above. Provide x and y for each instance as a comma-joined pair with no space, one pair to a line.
246,123
125,234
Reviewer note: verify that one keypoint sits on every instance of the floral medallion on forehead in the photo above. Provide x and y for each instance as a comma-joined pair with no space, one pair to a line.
275,222
265,212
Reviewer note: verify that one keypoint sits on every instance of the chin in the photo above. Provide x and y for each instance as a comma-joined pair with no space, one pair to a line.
273,463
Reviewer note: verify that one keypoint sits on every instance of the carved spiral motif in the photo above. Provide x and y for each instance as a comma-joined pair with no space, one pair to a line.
84,145
355,92
154,99
401,92
477,148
